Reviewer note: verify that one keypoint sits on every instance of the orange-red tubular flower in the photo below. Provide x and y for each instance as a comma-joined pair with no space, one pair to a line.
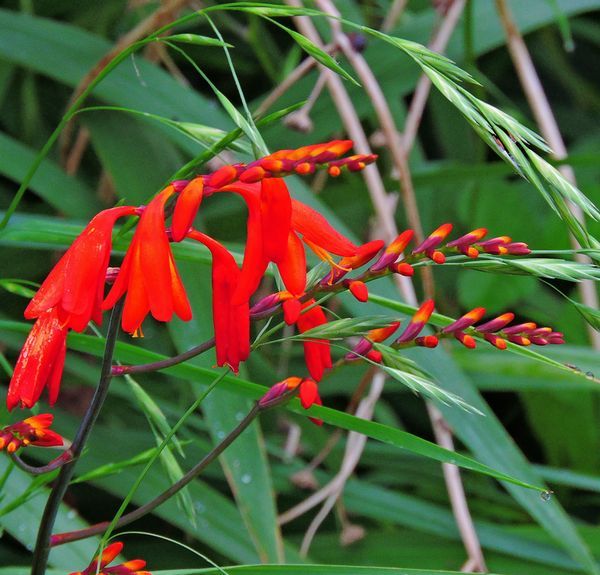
317,353
265,238
279,390
276,213
75,286
364,254
231,319
186,208
99,564
364,346
148,274
40,363
31,431
417,322
393,251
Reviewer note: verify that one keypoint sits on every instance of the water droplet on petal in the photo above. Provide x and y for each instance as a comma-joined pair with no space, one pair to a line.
546,495
246,478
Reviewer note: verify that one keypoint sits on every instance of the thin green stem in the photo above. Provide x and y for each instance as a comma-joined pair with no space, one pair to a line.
42,547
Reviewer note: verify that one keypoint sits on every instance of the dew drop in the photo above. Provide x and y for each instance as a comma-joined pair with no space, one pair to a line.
590,374
246,478
199,506
71,514
546,495
236,462
239,416
220,434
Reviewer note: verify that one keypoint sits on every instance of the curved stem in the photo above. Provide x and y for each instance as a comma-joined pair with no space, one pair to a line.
57,462
98,528
42,546
164,363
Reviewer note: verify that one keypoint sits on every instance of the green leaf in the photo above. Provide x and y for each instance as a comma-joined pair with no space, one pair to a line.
19,287
195,39
317,53
116,467
589,314
345,327
541,267
407,372
160,429
66,194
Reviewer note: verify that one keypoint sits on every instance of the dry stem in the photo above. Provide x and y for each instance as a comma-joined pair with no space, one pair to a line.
381,203
419,99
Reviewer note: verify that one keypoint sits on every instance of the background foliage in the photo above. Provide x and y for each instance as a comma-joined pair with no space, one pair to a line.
541,423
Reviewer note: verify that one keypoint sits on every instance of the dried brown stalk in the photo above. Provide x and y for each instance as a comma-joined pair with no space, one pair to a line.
381,203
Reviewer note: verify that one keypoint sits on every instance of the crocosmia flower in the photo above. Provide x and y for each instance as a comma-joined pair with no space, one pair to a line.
317,352
40,362
75,286
31,431
231,320
99,565
271,239
148,276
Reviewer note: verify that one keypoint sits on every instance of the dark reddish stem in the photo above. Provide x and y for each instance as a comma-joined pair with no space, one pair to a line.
42,546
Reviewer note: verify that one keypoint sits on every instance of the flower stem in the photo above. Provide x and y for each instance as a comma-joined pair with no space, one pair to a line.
42,546
57,462
98,528
163,363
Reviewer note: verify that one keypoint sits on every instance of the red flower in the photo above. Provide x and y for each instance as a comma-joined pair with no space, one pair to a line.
40,363
271,238
365,345
186,208
31,431
317,353
148,274
308,393
98,565
417,322
231,319
75,286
